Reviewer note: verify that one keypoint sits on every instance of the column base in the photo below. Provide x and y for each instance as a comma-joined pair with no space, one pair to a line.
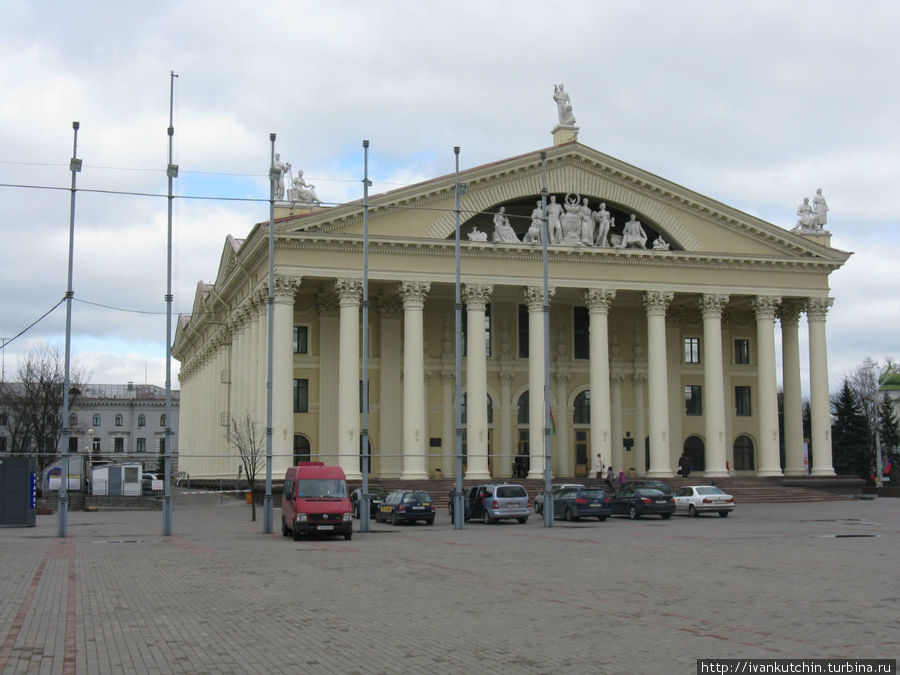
795,473
477,475
769,473
660,474
536,475
717,474
413,475
822,472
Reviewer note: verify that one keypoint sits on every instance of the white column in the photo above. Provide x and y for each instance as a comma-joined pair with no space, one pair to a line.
789,314
507,420
640,425
448,422
415,460
769,459
819,404
713,397
563,418
283,373
598,302
476,298
390,398
534,299
655,304
616,458
350,292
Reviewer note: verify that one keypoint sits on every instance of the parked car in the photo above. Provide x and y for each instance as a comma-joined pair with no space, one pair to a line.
147,483
376,498
662,486
697,499
493,502
581,502
635,502
554,489
403,506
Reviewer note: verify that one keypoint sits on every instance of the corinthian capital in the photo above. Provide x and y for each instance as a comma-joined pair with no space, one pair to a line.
414,293
711,305
599,299
477,296
656,302
286,287
765,306
349,291
534,297
817,308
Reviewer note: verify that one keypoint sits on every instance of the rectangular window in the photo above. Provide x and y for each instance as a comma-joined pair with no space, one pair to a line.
141,445
523,332
742,352
301,396
118,445
742,401
691,350
692,400
301,339
581,327
487,331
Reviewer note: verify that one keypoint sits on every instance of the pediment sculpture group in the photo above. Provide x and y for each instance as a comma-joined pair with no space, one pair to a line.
812,217
572,223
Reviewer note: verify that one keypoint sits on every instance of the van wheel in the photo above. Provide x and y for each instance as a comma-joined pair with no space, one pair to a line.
569,515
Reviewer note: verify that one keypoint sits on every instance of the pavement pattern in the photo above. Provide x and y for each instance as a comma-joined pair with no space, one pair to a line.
808,580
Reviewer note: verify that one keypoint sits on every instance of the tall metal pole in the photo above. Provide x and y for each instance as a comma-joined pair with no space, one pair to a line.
171,174
548,471
62,512
270,303
364,437
459,516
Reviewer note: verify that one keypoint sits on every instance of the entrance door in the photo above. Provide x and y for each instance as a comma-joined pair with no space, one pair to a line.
582,451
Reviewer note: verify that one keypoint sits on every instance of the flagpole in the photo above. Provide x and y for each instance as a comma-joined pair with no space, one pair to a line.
274,175
171,173
62,510
459,516
548,472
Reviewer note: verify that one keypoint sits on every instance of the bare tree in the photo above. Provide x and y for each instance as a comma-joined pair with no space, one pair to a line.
864,381
33,404
249,441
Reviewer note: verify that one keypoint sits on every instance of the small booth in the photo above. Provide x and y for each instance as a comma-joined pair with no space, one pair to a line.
117,479
18,491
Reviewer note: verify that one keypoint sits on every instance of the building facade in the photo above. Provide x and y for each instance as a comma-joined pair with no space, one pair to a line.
663,307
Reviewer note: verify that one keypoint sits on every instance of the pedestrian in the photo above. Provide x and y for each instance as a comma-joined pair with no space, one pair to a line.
684,465
598,466
622,479
610,477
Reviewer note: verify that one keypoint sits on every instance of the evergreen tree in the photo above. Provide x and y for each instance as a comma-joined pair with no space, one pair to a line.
887,425
852,450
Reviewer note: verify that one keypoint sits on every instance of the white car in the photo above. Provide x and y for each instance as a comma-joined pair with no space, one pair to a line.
696,499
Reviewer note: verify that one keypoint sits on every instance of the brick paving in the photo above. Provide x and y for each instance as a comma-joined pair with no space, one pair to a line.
812,580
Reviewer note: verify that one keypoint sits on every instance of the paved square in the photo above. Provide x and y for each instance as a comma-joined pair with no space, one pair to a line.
811,580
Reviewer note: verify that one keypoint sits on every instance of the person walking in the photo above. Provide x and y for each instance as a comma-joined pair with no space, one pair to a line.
610,477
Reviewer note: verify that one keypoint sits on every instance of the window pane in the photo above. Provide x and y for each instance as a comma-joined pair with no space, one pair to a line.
301,396
742,401
581,328
523,332
301,339
692,402
692,350
742,352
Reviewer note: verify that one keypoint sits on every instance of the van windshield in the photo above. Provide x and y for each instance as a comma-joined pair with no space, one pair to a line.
322,487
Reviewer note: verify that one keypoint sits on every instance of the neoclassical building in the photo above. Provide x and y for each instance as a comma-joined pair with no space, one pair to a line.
663,309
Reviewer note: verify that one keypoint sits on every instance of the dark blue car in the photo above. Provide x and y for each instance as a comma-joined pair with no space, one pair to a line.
581,502
403,506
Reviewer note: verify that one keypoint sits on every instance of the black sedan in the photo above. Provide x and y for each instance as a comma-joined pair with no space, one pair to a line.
403,506
376,499
640,501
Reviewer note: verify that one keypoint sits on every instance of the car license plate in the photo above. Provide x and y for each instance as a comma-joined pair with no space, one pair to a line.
596,506
326,527
512,505
660,501
418,508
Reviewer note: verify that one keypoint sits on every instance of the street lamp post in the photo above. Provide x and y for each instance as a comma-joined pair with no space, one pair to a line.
89,474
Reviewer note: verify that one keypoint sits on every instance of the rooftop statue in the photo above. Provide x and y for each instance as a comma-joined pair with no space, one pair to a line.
807,218
601,218
279,168
587,224
477,235
533,236
302,191
554,225
812,217
571,221
660,244
503,231
563,105
821,209
634,234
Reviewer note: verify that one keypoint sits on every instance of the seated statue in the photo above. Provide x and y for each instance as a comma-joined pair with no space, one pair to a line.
533,236
302,191
660,244
634,234
807,217
503,231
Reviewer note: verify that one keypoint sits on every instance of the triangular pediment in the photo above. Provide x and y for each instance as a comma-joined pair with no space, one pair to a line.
687,221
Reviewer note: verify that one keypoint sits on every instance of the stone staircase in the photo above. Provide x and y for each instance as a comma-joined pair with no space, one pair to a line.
745,490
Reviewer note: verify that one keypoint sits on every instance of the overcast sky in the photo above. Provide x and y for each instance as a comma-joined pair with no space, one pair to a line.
755,104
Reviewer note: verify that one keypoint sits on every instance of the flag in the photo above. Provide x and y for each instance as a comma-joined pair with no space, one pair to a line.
887,467
552,421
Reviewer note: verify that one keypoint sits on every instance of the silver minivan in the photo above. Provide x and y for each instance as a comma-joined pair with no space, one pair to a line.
493,502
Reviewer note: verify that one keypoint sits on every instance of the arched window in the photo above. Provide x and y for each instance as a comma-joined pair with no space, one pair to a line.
96,421
743,454
464,408
301,449
142,420
73,420
694,448
162,420
522,409
119,420
582,408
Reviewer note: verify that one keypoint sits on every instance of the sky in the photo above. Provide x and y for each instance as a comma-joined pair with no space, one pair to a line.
755,104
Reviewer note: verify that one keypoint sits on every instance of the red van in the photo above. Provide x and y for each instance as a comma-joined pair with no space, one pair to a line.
316,500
